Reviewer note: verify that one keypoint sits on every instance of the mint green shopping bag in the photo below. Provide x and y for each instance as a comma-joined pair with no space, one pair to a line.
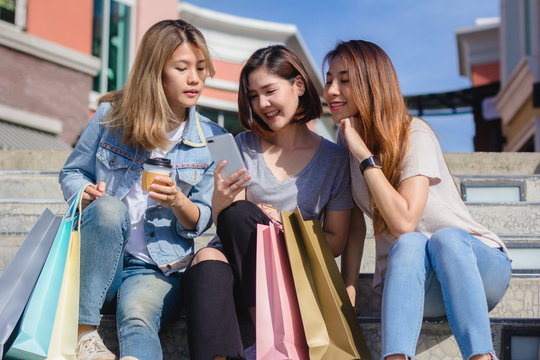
32,337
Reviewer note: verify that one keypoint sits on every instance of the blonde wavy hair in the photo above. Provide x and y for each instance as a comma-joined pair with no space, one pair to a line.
384,122
141,110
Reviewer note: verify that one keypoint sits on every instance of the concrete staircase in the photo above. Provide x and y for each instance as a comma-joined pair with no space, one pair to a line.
29,185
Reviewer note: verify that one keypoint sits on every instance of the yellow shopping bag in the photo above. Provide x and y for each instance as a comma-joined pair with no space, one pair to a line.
330,326
64,335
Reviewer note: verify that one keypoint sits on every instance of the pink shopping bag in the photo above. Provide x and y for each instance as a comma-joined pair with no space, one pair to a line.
279,333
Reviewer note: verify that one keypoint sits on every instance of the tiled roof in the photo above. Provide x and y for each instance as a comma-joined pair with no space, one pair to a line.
16,137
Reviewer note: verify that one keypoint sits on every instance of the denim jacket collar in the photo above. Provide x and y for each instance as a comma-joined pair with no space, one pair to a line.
193,135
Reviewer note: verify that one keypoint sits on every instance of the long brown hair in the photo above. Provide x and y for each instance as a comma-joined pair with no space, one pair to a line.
141,110
382,112
282,62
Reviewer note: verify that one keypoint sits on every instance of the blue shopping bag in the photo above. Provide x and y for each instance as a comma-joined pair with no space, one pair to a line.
32,337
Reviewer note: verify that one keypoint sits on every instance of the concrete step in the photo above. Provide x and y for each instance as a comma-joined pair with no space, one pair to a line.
493,163
30,184
521,301
173,337
10,241
35,160
435,341
505,219
20,215
524,250
514,219
459,163
508,219
44,185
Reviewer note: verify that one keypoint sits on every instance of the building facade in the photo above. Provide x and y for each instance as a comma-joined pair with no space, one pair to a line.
508,52
478,52
59,56
518,101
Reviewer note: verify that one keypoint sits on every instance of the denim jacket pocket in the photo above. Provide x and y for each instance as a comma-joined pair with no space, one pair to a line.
112,160
189,175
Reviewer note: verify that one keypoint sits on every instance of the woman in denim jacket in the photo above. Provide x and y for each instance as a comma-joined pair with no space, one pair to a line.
132,242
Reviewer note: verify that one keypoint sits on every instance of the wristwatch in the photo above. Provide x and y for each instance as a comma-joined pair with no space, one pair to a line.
370,161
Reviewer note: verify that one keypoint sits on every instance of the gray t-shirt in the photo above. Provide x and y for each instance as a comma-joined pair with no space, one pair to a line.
324,183
444,207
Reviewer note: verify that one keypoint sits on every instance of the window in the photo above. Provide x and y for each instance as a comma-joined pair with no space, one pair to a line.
7,11
13,12
229,120
492,191
520,343
527,26
111,43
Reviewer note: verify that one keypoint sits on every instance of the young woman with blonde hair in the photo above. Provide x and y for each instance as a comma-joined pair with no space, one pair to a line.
134,244
432,258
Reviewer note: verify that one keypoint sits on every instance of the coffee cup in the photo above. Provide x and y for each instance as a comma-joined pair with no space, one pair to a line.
153,168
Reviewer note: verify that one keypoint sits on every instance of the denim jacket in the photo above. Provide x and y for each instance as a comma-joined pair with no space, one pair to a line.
101,156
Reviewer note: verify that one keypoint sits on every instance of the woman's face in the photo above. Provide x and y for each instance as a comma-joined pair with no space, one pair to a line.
184,75
272,98
337,91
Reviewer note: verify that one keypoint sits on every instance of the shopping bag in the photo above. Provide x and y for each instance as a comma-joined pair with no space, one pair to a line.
279,333
330,326
20,276
32,337
64,335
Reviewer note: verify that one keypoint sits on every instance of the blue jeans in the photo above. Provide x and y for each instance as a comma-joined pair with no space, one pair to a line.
144,295
453,274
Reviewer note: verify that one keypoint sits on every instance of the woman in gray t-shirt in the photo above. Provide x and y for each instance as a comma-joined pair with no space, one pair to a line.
288,165
433,259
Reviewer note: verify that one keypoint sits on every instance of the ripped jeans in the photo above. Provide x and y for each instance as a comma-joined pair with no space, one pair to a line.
144,296
451,274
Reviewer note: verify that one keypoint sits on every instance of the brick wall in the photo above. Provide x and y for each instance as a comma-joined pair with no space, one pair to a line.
38,86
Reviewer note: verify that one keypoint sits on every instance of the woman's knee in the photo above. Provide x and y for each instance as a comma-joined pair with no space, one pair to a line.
237,210
449,241
208,254
409,245
106,211
138,313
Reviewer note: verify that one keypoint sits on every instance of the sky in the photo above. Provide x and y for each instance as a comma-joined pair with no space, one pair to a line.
418,35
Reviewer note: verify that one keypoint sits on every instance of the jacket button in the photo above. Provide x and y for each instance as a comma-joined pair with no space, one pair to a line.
152,234
169,266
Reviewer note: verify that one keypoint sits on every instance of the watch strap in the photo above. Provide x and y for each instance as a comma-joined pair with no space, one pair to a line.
371,161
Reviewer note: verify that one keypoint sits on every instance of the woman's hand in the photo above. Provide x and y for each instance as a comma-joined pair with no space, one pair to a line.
355,143
92,192
226,191
164,191
272,212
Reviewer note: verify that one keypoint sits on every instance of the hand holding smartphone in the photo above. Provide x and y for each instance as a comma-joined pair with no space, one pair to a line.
223,147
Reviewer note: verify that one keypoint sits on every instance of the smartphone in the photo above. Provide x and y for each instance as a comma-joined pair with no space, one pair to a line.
223,147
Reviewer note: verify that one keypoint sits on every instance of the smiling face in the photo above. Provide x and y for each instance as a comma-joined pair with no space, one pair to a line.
273,99
337,91
184,75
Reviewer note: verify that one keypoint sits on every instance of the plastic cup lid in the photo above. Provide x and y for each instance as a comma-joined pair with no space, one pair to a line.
159,162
